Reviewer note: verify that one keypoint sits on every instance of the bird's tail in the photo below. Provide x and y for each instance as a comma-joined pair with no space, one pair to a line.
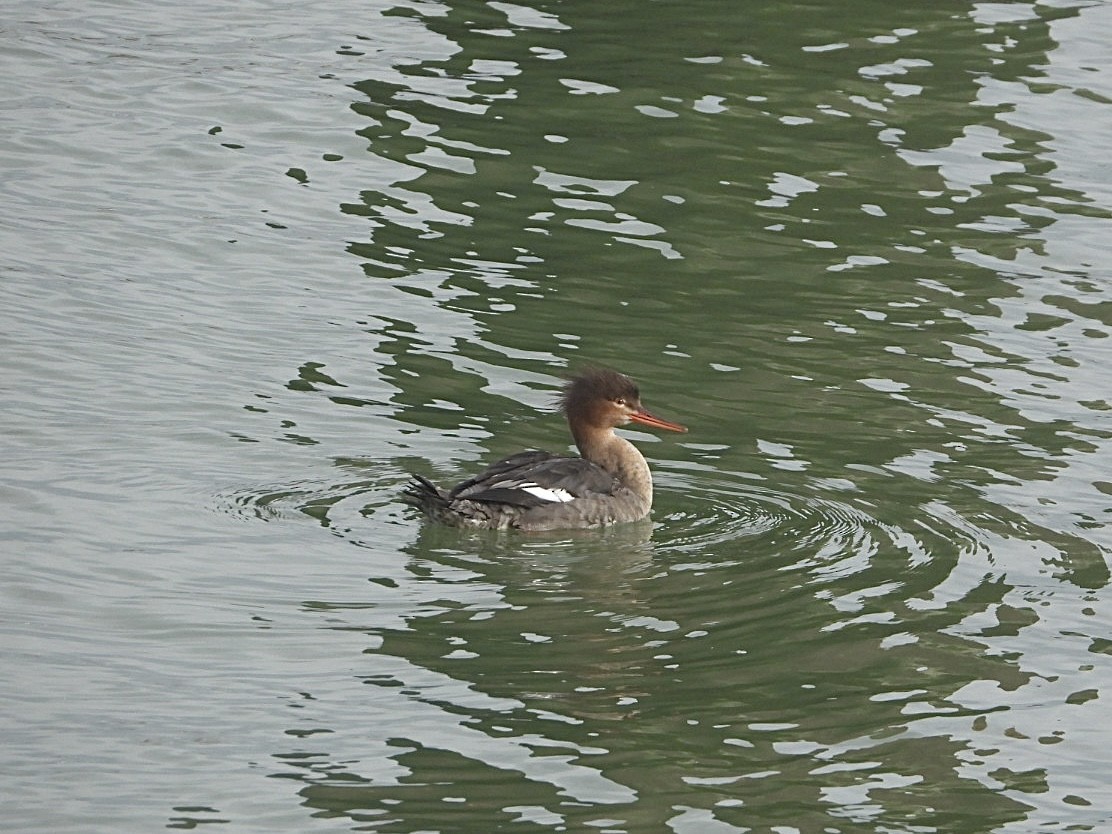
427,497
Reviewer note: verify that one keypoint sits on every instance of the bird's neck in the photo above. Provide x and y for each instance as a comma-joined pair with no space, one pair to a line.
619,457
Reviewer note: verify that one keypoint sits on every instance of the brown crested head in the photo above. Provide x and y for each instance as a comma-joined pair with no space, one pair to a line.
600,398
590,394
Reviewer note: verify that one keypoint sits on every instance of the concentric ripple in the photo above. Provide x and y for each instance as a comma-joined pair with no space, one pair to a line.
709,516
339,505
720,517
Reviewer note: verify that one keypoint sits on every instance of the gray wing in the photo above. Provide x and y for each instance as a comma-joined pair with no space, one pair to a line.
534,479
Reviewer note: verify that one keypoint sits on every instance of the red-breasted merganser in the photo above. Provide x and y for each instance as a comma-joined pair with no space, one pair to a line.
609,484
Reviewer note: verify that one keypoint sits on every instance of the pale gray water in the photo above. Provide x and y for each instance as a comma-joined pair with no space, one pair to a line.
260,260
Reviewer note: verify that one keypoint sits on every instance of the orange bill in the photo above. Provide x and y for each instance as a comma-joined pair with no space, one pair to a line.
645,418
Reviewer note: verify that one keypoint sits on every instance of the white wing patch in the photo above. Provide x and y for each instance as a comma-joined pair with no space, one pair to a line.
555,495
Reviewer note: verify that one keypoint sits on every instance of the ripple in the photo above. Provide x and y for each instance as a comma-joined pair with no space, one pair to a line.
722,514
716,518
339,505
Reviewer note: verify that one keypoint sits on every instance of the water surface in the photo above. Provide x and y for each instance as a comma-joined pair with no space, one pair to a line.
261,262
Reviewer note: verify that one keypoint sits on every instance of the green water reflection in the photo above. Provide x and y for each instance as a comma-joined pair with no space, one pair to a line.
800,227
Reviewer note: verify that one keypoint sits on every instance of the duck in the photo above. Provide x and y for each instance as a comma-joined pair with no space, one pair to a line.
609,483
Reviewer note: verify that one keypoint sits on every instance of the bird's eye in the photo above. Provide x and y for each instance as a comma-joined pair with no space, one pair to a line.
620,401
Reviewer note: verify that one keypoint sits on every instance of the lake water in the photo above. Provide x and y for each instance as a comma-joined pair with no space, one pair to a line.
262,260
